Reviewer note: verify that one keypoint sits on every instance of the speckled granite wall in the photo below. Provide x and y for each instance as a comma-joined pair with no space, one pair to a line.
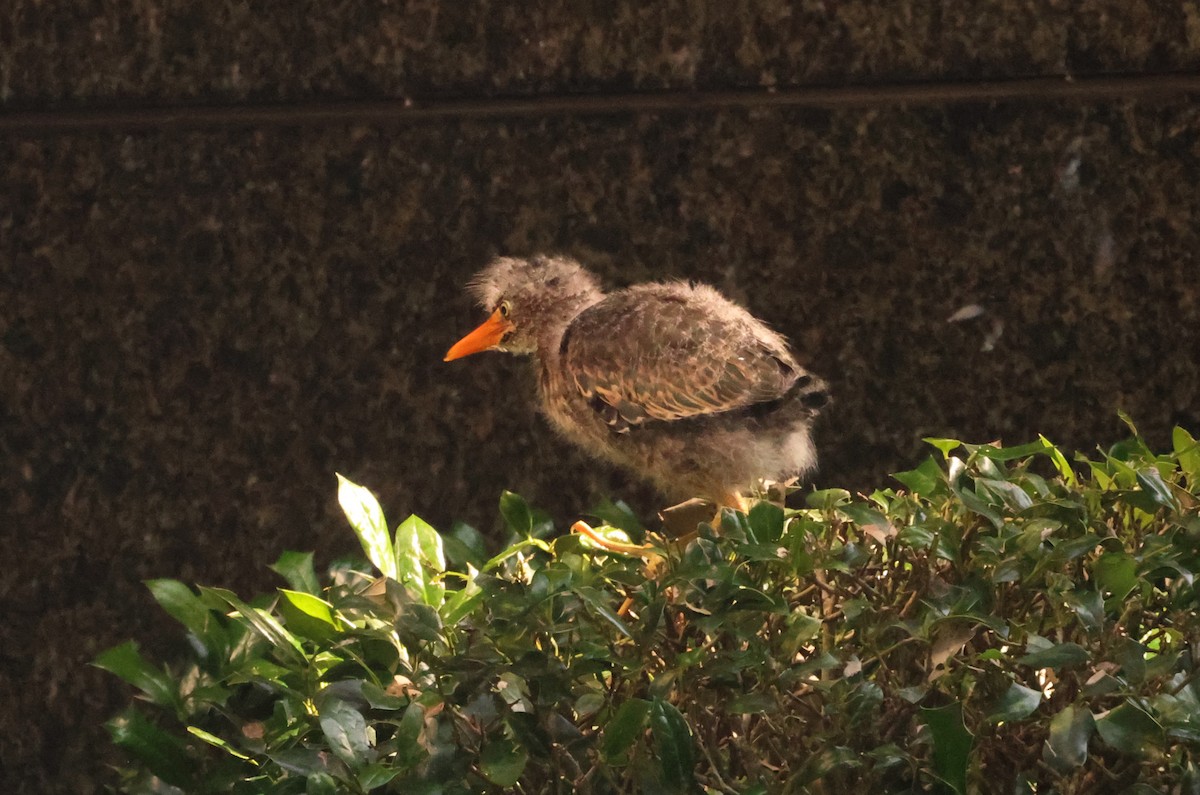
198,329
71,53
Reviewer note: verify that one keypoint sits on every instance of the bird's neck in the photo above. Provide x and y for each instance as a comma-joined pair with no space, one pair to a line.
550,345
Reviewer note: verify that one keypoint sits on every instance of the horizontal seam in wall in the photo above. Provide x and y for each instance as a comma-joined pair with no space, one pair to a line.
416,111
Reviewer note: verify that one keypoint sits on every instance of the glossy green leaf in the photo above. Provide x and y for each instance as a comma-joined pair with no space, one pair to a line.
1065,471
502,762
868,518
1089,608
263,623
127,662
1187,450
673,746
516,513
464,546
618,514
377,775
625,727
1152,483
420,559
310,605
1070,731
945,446
185,607
952,744
1131,656
302,761
925,480
346,730
216,741
598,601
1013,497
1010,453
1056,656
1129,728
751,704
307,615
1017,703
297,569
163,754
766,520
321,783
1116,573
408,738
366,517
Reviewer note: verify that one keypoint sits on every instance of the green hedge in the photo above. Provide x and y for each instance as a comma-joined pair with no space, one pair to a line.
1008,621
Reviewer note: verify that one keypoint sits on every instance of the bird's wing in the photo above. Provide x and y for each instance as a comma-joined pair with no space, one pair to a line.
671,352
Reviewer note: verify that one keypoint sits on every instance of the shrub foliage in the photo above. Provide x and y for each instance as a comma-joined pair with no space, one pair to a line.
1008,621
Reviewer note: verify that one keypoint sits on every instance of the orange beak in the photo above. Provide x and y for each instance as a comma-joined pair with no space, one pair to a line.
486,337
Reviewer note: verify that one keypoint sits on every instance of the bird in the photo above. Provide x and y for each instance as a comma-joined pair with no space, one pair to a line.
669,380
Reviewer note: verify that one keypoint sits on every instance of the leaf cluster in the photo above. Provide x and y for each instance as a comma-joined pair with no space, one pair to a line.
1009,620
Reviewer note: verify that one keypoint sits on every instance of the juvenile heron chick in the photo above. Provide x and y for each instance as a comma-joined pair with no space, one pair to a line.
669,380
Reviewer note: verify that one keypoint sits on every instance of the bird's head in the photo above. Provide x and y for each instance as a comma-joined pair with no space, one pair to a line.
529,300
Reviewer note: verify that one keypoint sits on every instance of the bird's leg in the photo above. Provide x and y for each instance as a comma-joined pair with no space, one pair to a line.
585,529
734,500
646,552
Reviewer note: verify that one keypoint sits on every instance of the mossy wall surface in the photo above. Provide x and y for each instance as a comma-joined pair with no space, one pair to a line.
198,328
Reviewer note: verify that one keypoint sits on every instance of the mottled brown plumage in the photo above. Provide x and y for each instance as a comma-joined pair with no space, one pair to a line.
671,380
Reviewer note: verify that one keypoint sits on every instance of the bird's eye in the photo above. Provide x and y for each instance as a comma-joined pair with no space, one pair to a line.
504,308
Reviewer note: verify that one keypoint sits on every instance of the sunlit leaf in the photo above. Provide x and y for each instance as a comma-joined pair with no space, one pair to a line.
1187,450
419,559
945,446
216,741
1152,483
366,517
827,499
618,514
307,615
1010,453
263,623
1060,461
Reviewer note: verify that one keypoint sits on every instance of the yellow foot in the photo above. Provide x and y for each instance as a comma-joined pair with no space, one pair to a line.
649,553
620,547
